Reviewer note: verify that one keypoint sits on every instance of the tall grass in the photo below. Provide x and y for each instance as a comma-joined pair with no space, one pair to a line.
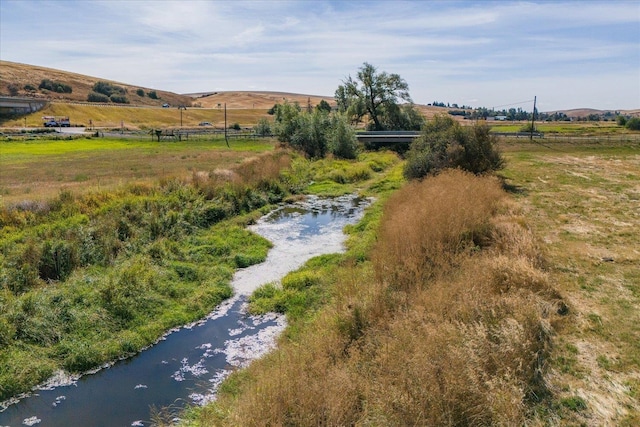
449,323
85,279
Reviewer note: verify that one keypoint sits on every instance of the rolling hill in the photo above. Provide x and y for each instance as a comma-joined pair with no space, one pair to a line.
17,76
14,77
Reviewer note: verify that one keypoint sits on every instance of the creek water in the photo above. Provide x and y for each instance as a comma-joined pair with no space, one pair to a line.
187,365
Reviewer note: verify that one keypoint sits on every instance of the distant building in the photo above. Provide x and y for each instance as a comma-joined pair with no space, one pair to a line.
501,118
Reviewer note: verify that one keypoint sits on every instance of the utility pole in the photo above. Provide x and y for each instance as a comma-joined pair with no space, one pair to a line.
182,107
533,118
226,138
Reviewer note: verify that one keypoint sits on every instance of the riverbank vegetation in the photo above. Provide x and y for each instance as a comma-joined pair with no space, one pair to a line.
459,304
445,318
89,277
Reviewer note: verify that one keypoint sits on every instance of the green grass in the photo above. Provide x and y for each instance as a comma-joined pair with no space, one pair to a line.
38,170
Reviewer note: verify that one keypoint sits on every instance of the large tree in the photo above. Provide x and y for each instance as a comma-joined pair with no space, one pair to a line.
376,95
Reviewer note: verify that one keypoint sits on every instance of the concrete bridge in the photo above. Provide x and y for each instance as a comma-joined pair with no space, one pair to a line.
11,106
396,140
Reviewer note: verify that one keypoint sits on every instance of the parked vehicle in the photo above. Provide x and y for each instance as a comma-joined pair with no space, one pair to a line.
205,124
51,121
166,105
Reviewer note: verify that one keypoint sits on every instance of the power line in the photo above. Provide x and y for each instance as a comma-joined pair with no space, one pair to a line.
515,103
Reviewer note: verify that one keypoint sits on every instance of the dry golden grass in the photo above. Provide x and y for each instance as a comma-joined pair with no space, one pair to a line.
463,344
137,118
582,201
257,99
23,74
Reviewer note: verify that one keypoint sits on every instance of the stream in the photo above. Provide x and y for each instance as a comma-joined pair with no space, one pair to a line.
186,366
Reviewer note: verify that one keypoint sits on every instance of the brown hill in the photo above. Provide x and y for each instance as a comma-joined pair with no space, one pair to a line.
16,76
255,100
584,112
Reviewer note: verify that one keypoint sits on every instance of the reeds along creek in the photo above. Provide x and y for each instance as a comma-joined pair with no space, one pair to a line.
88,279
449,322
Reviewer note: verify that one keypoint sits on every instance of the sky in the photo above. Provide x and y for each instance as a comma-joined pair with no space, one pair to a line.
494,54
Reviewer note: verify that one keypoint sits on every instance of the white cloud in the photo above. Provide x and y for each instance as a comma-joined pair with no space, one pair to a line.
447,51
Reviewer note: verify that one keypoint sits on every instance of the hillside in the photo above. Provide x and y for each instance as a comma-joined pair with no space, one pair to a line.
255,100
17,76
20,75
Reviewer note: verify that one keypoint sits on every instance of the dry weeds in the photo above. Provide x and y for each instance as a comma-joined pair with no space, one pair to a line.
465,343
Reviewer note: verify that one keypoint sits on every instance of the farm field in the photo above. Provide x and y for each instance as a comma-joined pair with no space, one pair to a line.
583,202
40,169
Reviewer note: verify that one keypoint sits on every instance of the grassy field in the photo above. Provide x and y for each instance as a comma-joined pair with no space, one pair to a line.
565,128
583,202
139,117
38,170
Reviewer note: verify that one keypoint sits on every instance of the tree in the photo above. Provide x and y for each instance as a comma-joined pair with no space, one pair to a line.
373,94
443,144
323,106
621,120
263,127
342,140
633,123
286,120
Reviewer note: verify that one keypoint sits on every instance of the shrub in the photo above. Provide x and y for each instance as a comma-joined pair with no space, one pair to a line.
633,123
443,144
30,88
342,138
119,99
621,120
97,97
55,86
140,93
14,89
108,89
58,260
324,106
153,94
263,127
235,126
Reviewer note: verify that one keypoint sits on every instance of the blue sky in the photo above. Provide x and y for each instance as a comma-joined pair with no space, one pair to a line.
570,54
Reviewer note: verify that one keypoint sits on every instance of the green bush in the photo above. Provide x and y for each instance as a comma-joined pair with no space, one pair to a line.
140,93
55,86
342,138
153,94
97,97
444,143
58,259
108,89
119,99
263,128
633,123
